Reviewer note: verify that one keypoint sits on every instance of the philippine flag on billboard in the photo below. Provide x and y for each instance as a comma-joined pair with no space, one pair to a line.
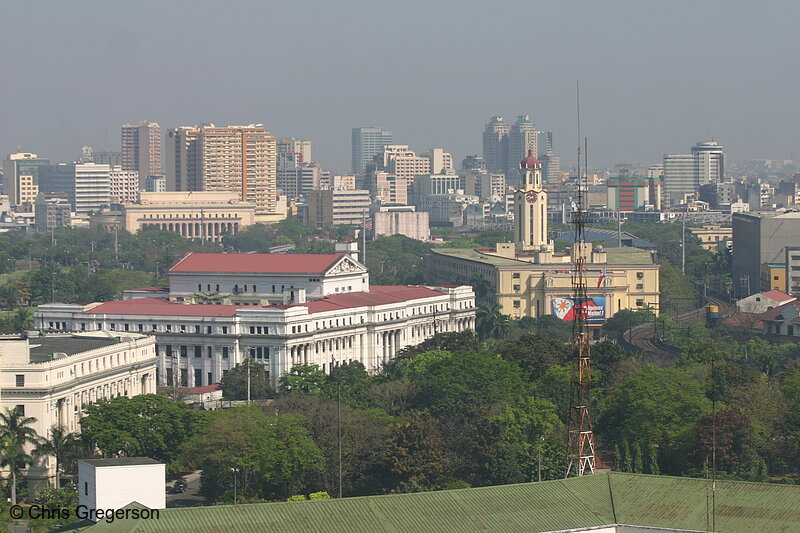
593,310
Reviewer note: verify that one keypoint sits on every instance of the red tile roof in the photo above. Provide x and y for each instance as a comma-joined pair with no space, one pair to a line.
200,390
378,295
775,311
778,296
257,263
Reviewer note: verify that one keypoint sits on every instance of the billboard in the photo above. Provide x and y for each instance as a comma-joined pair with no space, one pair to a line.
593,309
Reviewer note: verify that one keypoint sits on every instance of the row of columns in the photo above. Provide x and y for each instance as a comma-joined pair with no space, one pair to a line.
194,230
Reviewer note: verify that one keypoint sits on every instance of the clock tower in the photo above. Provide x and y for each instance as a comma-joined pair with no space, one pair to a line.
530,207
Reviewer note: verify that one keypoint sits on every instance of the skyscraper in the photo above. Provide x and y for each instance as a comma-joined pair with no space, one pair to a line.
239,159
495,145
366,144
522,140
685,173
141,149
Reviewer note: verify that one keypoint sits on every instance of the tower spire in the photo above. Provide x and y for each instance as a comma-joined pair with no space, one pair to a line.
580,435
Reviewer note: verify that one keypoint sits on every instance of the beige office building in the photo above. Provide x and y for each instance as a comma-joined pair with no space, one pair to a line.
240,159
141,149
194,215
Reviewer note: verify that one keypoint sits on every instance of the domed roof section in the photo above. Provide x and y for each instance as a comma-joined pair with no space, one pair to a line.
530,161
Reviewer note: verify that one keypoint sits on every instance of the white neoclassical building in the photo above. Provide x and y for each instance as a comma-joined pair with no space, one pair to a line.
53,378
279,310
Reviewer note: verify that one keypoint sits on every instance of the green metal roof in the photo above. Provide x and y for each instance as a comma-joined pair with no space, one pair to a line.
601,499
614,256
481,257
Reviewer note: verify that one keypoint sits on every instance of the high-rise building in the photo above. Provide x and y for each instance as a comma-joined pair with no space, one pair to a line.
296,178
301,147
239,159
86,185
474,163
366,144
522,139
495,145
141,149
332,207
21,177
686,173
124,185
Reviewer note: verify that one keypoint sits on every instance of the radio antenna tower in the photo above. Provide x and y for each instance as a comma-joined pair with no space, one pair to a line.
580,436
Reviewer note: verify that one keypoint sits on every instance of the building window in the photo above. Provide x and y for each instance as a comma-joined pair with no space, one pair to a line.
197,329
20,380
639,302
208,330
640,286
252,330
20,409
639,275
516,287
516,304
224,352
515,275
224,330
184,350
198,351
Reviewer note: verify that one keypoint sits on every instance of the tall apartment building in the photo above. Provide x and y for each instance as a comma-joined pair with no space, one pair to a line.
21,177
239,159
301,147
124,185
366,144
141,149
686,173
86,185
495,145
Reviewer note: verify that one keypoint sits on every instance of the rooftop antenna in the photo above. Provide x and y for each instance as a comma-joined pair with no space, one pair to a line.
580,436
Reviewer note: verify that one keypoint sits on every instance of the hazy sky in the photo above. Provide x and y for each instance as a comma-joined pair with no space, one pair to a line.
655,76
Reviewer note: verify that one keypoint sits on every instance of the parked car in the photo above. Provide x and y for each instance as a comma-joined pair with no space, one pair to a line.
180,486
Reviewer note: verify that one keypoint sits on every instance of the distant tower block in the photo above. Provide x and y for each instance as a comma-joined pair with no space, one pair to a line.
530,206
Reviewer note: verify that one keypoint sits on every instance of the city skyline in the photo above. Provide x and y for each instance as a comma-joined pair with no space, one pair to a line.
646,90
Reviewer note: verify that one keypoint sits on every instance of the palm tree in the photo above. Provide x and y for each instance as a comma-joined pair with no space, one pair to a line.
22,319
480,285
62,445
15,435
491,322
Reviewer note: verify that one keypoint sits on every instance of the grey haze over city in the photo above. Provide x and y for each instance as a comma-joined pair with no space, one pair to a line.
655,77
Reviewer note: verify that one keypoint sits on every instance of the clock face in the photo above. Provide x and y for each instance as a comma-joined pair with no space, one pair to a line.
531,197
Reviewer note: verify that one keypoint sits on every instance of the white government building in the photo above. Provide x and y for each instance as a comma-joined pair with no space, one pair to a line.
278,309
53,378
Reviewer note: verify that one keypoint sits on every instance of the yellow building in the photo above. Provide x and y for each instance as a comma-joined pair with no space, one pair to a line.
773,277
711,236
528,278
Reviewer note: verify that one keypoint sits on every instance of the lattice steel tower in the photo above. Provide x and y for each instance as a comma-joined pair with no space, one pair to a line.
580,436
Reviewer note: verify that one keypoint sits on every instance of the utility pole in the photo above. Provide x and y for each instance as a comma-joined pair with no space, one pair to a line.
339,433
248,379
683,243
619,228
